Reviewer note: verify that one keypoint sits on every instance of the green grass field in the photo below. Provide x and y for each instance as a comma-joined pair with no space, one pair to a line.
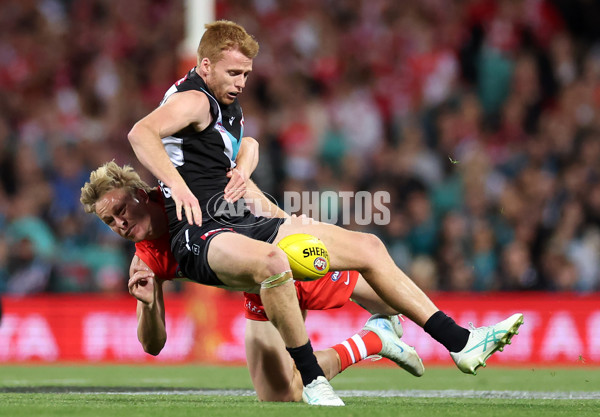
169,391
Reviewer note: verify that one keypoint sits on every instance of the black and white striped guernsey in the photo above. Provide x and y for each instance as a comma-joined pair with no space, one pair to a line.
203,158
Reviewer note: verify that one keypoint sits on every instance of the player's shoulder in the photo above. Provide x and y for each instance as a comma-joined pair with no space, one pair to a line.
192,106
186,98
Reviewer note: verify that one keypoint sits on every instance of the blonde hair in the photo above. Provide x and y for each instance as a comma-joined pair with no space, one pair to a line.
108,177
224,35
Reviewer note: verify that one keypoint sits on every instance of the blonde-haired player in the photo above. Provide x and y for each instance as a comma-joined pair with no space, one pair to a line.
135,211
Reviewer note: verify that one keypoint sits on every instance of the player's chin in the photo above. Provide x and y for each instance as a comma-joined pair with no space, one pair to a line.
229,98
135,238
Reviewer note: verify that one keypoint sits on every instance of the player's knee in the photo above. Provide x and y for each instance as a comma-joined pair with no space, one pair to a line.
371,246
273,262
154,347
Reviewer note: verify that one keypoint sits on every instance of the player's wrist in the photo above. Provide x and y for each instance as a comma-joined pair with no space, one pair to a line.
148,305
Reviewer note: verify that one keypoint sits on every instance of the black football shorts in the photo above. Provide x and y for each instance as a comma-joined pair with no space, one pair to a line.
190,244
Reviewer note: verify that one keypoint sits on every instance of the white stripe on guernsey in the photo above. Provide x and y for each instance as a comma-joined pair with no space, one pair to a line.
172,144
173,147
187,239
226,141
172,90
349,349
360,344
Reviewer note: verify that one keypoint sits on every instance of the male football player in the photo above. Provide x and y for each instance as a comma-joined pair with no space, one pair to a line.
190,144
135,211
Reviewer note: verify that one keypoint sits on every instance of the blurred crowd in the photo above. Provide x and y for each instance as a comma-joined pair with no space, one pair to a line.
478,117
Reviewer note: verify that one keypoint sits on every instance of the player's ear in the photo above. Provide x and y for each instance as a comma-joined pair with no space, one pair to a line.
142,196
205,65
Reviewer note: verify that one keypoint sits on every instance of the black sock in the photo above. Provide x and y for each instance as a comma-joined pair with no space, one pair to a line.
445,330
306,362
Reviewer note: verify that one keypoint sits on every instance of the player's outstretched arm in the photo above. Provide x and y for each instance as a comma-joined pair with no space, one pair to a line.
144,286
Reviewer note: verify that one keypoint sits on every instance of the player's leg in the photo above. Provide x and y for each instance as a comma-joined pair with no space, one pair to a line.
367,254
272,371
349,250
365,296
385,324
382,337
243,263
481,342
265,265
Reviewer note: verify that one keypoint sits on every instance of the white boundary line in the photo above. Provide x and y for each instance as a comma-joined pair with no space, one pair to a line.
520,395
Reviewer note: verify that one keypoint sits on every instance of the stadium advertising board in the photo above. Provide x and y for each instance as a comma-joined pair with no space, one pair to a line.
208,326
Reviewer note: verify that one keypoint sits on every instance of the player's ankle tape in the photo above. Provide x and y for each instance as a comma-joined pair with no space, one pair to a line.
277,280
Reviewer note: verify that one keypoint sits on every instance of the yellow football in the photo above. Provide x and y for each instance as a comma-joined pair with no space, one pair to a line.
307,255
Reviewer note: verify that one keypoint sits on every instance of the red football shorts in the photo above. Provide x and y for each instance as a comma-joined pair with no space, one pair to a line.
331,291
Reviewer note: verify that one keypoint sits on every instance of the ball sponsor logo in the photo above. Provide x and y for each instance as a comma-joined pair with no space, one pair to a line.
320,264
315,251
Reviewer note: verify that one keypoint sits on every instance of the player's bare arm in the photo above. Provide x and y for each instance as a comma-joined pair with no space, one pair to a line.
189,108
247,160
259,204
144,286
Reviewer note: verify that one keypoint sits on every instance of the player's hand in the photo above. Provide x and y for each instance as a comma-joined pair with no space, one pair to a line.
142,285
186,200
236,187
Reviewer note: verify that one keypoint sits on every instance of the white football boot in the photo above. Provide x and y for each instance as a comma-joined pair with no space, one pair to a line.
320,392
389,330
484,341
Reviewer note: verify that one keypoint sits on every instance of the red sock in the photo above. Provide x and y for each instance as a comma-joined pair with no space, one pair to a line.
358,347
